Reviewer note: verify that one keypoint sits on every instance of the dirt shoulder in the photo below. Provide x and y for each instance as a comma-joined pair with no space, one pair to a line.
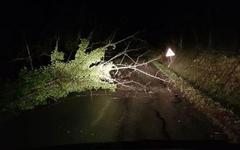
220,116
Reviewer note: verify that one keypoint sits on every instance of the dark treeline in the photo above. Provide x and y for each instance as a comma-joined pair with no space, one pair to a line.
210,25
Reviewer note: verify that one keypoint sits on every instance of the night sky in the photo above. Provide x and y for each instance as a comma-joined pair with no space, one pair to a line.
160,21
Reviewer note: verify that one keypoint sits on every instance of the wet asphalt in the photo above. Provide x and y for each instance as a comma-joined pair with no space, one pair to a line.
155,113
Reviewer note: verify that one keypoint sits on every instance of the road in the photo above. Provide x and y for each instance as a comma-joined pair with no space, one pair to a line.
126,115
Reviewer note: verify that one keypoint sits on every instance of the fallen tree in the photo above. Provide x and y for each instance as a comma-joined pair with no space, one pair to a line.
87,71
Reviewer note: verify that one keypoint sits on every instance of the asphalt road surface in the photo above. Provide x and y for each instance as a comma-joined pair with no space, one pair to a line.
155,113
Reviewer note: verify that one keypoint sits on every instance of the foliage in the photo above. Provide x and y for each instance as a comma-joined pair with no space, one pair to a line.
215,73
221,116
58,79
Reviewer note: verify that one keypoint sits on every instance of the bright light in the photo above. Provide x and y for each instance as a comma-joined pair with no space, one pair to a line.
170,53
105,71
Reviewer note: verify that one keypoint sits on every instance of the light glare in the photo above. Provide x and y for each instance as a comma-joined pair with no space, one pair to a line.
170,53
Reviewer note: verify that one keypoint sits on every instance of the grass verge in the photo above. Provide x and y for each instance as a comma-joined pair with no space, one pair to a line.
222,117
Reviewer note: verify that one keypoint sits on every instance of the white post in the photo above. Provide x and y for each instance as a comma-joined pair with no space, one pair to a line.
170,61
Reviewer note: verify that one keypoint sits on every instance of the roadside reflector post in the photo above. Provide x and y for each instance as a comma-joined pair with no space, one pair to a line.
170,54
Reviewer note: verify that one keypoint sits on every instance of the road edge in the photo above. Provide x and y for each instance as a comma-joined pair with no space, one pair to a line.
220,116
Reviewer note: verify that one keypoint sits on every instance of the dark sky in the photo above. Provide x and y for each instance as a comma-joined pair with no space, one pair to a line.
159,19
163,22
35,16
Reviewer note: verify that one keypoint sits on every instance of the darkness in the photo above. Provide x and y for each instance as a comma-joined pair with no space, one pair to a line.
162,23
187,26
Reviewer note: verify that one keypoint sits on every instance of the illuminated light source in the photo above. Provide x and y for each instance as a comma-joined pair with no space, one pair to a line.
169,54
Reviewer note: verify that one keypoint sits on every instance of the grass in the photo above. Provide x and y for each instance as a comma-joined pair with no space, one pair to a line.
215,73
220,116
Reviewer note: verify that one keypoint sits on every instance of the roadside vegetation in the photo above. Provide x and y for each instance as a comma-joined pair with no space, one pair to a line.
224,118
215,73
